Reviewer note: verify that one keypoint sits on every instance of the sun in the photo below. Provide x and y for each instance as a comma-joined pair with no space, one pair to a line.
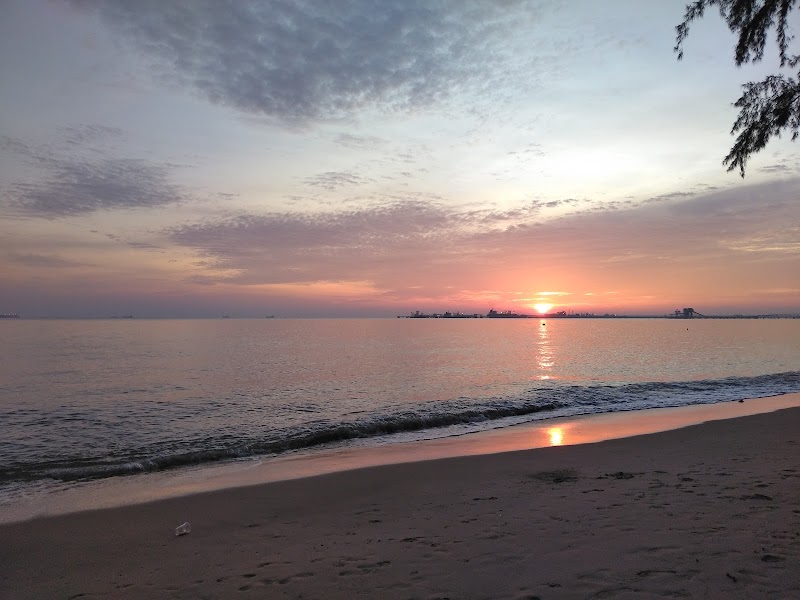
542,308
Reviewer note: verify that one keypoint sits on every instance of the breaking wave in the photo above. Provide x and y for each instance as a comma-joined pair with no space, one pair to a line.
438,419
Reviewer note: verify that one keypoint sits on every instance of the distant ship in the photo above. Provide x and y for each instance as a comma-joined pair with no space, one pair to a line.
9,316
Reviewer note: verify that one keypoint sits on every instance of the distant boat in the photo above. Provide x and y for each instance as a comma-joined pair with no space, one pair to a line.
270,317
9,316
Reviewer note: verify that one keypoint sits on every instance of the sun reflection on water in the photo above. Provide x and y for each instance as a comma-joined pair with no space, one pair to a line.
544,358
556,436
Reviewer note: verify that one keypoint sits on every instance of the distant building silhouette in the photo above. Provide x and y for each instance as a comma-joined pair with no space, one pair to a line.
686,313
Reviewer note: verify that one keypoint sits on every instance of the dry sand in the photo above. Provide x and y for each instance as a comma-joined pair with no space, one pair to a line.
707,511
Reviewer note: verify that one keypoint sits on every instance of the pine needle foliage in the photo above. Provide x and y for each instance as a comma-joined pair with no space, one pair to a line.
766,108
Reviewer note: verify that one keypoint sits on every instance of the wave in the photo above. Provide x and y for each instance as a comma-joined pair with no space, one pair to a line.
301,438
541,401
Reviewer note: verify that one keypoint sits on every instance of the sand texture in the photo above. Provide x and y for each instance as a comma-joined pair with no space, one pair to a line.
708,511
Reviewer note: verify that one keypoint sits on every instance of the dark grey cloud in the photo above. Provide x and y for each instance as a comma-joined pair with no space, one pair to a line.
763,202
396,221
75,187
557,203
70,182
14,146
132,244
780,167
297,61
296,247
521,214
81,135
391,234
671,196
333,180
426,239
359,142
706,230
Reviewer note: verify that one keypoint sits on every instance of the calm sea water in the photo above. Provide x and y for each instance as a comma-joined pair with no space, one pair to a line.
90,399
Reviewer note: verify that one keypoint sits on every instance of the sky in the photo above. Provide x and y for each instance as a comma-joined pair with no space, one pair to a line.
374,157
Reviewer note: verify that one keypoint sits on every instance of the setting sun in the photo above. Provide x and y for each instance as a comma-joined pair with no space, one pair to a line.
542,308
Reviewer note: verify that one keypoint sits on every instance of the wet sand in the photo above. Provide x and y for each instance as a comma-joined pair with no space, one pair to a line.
707,511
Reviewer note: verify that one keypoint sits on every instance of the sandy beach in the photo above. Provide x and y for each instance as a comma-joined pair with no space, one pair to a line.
706,511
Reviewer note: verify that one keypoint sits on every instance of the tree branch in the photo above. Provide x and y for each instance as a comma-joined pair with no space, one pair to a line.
767,107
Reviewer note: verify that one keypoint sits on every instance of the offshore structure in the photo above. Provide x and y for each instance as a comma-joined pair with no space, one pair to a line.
680,313
445,315
492,314
686,313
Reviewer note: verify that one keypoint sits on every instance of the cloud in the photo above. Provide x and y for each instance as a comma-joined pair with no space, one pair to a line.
75,187
296,247
132,244
333,180
359,142
776,168
72,182
300,62
530,150
81,135
414,250
671,196
786,241
557,203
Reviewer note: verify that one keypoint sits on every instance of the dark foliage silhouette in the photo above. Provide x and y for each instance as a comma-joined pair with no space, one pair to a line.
766,108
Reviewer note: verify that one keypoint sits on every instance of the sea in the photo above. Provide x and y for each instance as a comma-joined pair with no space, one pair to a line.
92,399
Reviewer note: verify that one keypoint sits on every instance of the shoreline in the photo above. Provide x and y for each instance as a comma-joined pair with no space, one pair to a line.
707,511
114,492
